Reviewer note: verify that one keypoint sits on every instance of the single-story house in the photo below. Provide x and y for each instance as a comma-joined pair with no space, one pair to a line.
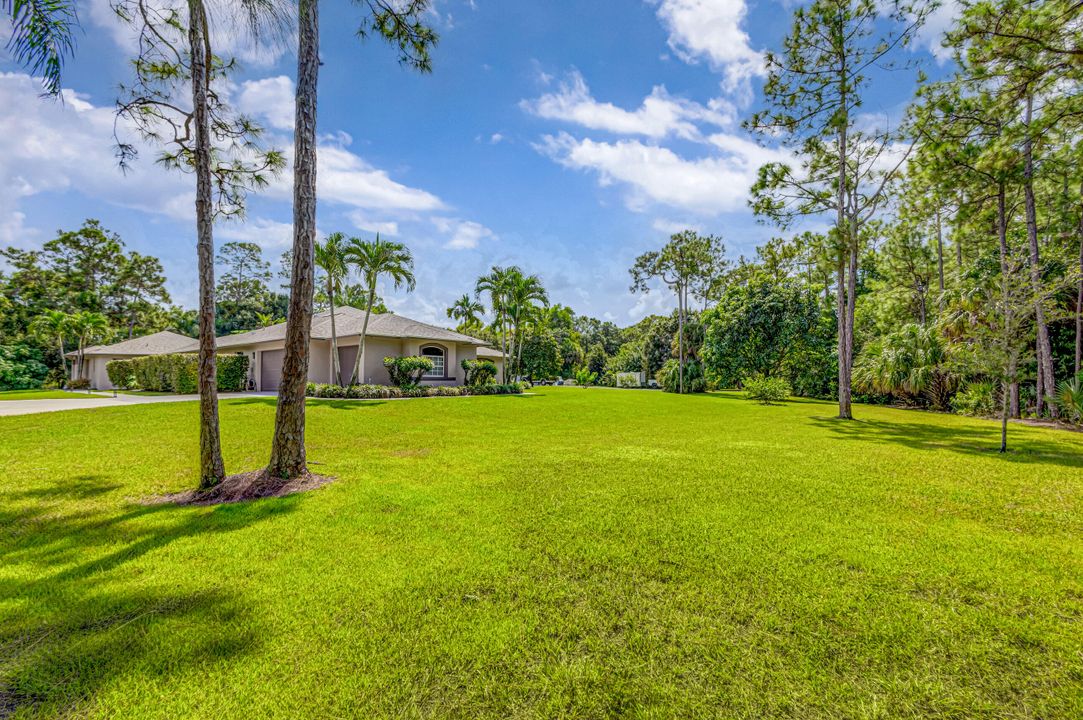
388,335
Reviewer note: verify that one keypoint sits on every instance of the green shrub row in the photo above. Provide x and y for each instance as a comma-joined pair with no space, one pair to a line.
176,373
379,392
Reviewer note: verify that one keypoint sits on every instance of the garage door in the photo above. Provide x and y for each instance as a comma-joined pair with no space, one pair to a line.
270,370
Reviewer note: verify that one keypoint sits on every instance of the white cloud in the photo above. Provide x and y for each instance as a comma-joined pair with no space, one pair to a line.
362,221
268,234
712,30
51,146
464,234
659,116
270,99
652,174
496,138
670,227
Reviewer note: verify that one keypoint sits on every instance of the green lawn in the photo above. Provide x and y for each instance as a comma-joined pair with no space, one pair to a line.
45,395
576,553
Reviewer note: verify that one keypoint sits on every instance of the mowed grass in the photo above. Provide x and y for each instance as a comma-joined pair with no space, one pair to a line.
577,553
45,395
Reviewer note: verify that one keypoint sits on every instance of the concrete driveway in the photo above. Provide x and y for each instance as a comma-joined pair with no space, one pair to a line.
29,407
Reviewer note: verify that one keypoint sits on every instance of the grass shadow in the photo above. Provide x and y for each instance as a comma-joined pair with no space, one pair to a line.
966,440
75,615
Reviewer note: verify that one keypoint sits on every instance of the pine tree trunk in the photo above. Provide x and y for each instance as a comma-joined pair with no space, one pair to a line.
940,255
211,466
1044,350
357,377
680,340
1079,298
288,445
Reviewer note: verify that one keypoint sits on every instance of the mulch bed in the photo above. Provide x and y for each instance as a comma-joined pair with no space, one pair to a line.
246,486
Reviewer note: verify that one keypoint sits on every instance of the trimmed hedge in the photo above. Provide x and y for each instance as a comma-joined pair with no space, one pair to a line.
479,372
406,371
176,373
380,392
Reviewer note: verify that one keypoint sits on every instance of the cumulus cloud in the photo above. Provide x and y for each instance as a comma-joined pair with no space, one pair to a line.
660,114
462,234
712,30
652,174
938,22
51,146
362,221
270,99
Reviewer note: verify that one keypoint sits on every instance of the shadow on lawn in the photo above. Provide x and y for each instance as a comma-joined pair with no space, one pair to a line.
983,442
77,615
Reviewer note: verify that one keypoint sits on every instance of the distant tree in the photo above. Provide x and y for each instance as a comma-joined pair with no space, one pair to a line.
246,273
374,259
88,327
688,263
330,257
540,356
596,359
526,297
138,288
497,283
467,311
53,326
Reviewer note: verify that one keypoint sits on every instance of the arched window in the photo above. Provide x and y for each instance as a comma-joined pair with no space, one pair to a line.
439,360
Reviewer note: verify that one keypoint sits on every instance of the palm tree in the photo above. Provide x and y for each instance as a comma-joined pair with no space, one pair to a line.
374,259
88,327
41,36
466,310
331,259
498,285
523,292
399,23
53,325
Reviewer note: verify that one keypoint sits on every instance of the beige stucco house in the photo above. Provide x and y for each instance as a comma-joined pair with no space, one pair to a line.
388,335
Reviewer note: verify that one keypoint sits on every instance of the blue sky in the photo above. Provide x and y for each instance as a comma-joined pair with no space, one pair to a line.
565,137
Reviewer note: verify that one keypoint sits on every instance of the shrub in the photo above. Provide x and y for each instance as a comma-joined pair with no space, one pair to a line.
669,379
406,371
121,374
507,389
479,372
767,390
232,373
1070,398
177,373
584,376
448,391
977,398
79,384
21,367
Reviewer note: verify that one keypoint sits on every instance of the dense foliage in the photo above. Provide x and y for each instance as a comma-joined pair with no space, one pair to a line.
766,389
376,392
176,373
478,372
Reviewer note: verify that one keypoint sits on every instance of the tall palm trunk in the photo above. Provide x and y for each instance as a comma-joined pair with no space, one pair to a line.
211,466
356,377
680,339
335,369
1043,347
288,444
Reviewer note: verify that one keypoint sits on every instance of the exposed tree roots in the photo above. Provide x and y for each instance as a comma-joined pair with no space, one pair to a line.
246,486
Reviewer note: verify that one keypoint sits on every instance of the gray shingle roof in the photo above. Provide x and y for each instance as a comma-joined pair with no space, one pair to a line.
348,321
156,344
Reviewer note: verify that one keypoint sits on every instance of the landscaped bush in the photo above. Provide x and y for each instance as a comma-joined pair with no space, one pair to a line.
406,371
977,398
479,372
79,384
177,373
669,379
121,374
21,367
378,392
585,377
767,390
